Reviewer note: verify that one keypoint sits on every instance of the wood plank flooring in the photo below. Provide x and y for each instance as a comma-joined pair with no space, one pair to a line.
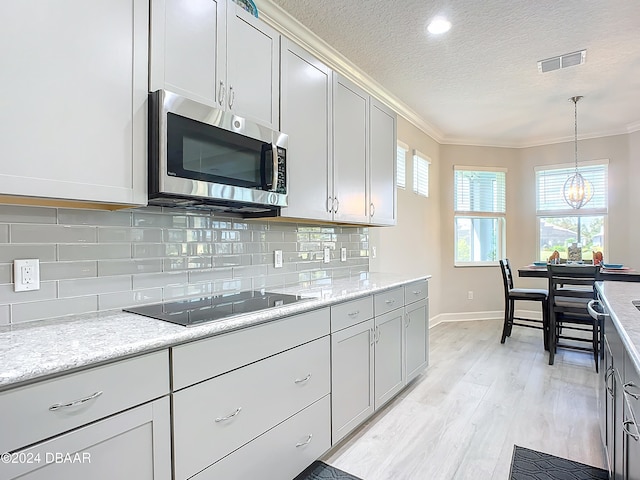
476,400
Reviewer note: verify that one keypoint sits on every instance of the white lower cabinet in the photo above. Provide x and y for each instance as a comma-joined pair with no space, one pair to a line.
282,452
133,444
352,380
213,418
389,356
416,338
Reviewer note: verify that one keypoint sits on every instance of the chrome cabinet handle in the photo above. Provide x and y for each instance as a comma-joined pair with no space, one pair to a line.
75,403
302,444
625,425
626,387
372,209
302,380
232,96
337,205
221,93
390,302
330,204
353,314
407,320
416,292
372,336
592,311
228,417
377,334
607,376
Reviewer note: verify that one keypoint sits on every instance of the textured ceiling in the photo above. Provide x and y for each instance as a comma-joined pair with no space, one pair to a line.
479,83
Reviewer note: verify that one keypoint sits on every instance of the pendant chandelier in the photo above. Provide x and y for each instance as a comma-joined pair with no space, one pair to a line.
577,190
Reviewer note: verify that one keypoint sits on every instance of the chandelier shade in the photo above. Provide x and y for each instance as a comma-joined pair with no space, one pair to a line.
577,190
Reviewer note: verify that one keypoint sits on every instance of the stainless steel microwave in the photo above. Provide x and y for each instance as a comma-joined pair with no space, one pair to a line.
204,157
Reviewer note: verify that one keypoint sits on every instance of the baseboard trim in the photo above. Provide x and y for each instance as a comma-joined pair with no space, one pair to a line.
487,315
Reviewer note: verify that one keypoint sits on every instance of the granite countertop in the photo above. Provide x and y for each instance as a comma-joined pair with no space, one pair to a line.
37,350
617,297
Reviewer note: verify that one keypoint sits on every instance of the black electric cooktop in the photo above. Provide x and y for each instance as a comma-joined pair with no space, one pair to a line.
195,311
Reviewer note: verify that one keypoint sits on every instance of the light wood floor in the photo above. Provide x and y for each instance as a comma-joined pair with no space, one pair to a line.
477,399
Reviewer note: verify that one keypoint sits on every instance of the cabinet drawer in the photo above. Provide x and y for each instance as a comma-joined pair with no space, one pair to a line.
282,452
349,313
632,386
390,300
114,387
416,291
214,418
204,359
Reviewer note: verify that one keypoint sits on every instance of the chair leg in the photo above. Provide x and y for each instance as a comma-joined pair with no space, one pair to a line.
512,308
506,329
596,343
552,337
545,324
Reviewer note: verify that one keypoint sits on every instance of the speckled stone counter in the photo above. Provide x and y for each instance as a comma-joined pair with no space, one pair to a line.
617,297
37,350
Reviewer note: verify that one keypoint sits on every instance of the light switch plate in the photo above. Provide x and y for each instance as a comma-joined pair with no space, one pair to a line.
277,259
343,254
26,274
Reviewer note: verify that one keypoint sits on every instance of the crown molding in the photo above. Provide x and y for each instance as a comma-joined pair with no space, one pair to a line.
288,26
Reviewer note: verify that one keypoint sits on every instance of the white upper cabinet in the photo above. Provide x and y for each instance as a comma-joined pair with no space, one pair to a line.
73,114
382,162
350,151
214,52
306,117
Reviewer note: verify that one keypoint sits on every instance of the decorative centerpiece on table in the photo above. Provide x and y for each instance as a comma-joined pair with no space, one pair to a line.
574,252
597,258
555,257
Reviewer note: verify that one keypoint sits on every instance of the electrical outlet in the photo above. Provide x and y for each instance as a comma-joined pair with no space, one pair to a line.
26,275
277,259
327,255
470,295
343,254
374,252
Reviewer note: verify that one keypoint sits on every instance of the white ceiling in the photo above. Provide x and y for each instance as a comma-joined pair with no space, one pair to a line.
479,83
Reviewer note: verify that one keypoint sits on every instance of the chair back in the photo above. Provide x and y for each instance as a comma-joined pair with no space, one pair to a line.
571,286
507,275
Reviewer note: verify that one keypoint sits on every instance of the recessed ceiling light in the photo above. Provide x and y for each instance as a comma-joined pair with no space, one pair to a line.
439,25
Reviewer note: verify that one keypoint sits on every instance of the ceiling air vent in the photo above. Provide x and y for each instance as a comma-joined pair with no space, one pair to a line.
562,61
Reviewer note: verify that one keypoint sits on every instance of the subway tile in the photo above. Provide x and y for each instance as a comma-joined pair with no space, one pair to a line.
130,235
148,250
258,283
249,271
286,268
285,247
66,270
255,224
5,314
256,247
274,281
25,312
98,285
236,285
209,275
152,280
6,273
231,260
23,214
221,223
108,301
46,292
4,233
187,263
274,236
129,266
9,252
223,248
190,290
259,236
23,233
101,251
94,217
143,219
262,259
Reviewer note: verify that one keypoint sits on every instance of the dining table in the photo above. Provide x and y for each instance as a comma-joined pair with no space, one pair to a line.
623,274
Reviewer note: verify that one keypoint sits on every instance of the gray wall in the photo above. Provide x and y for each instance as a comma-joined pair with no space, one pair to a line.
98,260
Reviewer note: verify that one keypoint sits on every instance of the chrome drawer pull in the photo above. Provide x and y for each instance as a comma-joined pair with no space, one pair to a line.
307,442
390,302
302,380
353,314
631,394
75,403
417,292
635,436
228,417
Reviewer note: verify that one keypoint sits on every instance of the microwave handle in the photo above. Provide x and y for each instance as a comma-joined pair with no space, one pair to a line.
269,167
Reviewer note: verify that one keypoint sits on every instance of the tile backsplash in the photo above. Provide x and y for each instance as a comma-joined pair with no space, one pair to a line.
99,260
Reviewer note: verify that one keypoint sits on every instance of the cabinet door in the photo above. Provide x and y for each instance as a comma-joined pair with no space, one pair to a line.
389,356
73,119
306,117
382,161
350,150
607,407
188,48
133,444
631,445
416,338
618,433
253,60
352,380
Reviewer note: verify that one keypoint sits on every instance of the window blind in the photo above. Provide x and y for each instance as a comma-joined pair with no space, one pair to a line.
401,160
549,184
480,190
420,173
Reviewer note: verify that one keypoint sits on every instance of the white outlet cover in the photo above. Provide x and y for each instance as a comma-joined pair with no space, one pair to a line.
26,274
327,255
343,254
277,259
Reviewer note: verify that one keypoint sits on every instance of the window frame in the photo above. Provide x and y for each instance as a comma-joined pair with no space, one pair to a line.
500,217
419,157
401,146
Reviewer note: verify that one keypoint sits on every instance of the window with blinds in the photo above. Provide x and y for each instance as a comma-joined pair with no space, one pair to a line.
480,206
421,173
401,162
574,233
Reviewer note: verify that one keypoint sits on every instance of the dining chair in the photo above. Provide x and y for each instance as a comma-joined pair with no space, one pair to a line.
511,295
571,287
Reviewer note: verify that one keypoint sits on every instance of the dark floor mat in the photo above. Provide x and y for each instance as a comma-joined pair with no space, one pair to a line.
529,464
321,471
